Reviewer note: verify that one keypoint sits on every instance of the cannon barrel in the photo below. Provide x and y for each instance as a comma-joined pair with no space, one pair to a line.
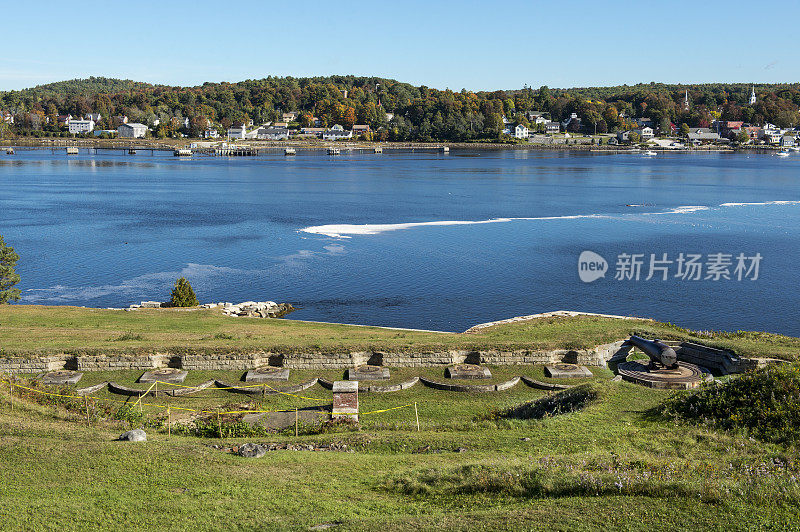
657,350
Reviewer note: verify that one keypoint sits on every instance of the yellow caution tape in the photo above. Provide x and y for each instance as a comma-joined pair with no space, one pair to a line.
264,385
192,409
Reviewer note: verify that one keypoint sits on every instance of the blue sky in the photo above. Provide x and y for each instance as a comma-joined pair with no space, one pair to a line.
474,45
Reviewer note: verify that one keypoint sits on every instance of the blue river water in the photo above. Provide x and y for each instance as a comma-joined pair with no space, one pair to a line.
350,239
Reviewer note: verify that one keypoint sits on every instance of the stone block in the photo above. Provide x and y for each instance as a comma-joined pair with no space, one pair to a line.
345,400
368,373
567,371
171,375
267,374
467,371
61,377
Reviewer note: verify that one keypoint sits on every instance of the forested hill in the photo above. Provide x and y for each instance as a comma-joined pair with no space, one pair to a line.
396,110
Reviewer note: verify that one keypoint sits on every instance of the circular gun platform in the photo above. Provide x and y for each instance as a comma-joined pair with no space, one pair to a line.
684,377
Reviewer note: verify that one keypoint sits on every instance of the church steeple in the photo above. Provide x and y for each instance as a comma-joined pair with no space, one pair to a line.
686,100
753,95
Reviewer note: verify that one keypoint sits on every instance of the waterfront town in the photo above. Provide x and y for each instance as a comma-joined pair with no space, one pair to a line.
352,109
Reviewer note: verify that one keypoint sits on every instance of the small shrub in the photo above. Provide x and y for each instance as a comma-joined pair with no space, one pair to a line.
210,428
564,402
130,335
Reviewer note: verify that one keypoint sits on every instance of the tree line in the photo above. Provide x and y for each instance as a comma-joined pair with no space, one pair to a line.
394,110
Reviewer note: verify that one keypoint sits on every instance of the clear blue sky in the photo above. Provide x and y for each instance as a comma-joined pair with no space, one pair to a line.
474,45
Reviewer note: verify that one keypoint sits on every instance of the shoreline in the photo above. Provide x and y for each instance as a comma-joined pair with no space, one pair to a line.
315,145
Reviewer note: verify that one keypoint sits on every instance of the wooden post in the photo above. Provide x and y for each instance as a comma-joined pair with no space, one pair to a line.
219,424
11,393
416,414
169,422
295,422
140,403
86,403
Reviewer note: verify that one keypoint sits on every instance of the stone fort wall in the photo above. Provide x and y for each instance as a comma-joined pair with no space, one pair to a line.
315,360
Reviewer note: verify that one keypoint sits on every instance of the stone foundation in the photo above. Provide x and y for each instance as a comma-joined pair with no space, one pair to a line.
245,361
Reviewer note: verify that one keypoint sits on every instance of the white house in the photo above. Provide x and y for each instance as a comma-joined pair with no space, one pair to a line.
210,134
80,126
521,132
787,141
132,130
772,137
272,133
336,134
289,117
237,131
645,133
552,127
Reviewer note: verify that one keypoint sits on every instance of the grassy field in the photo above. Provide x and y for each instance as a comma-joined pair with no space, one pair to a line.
614,465
32,330
618,464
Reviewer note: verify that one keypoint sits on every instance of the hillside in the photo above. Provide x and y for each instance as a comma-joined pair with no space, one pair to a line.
394,110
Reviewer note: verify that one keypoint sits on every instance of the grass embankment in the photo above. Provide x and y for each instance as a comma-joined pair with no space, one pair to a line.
611,465
32,330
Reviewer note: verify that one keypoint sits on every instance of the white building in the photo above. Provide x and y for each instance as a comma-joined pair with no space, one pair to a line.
521,132
753,95
132,130
552,127
80,126
336,134
272,133
645,132
93,116
210,134
238,131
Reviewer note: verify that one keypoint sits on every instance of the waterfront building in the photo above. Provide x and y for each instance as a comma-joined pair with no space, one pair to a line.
237,131
521,132
80,126
315,131
132,130
552,127
337,134
272,133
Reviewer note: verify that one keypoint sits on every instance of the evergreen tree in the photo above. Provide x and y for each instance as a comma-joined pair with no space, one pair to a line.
8,277
183,295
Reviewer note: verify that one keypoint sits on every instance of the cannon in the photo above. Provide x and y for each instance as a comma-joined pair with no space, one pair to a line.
657,350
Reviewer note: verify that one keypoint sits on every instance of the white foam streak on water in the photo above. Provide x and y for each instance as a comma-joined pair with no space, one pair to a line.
343,230
760,203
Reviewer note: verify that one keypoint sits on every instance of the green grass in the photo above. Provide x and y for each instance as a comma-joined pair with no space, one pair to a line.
613,464
30,330
560,473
